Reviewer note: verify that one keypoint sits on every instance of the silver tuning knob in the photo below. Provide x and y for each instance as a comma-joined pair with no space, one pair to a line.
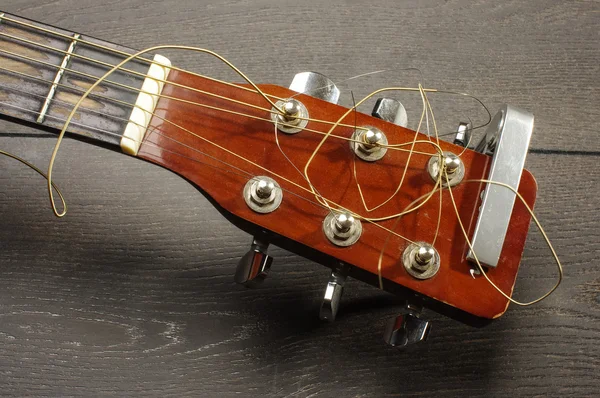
316,85
254,266
333,295
463,134
390,110
407,328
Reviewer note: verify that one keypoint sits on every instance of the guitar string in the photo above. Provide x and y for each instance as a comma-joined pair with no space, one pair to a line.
389,230
88,59
63,102
179,100
222,97
407,163
234,69
397,234
131,88
301,197
149,61
185,101
116,51
440,162
264,95
326,136
64,205
468,240
90,89
354,109
436,187
194,49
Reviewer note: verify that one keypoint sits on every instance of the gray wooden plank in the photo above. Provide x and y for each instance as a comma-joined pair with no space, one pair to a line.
132,293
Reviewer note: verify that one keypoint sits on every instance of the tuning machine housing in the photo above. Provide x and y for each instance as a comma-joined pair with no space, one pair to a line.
407,327
316,85
254,266
333,293
390,110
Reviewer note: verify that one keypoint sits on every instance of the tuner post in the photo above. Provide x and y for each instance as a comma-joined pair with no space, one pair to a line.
421,260
450,163
342,229
294,117
368,143
263,194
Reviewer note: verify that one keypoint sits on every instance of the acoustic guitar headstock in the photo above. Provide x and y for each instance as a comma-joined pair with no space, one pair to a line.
361,194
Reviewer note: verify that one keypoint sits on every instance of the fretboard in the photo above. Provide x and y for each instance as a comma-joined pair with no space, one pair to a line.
45,70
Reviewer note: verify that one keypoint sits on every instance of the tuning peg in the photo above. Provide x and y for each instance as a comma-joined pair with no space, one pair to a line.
463,134
254,266
407,328
333,295
390,110
316,85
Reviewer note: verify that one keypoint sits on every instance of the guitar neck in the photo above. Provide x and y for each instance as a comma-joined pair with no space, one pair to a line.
45,70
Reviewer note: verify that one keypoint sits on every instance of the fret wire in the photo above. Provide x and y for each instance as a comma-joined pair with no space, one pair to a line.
246,173
198,104
58,50
181,100
68,69
61,120
66,86
167,150
57,78
115,51
3,17
121,69
68,104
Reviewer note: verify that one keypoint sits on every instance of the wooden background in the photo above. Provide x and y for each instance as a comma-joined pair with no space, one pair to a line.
132,293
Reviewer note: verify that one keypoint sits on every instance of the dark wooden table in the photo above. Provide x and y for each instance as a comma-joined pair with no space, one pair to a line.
132,293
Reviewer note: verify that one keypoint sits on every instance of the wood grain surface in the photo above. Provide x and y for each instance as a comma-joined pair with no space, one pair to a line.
132,294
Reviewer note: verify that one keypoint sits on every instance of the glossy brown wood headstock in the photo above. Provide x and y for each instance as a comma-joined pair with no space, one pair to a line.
297,223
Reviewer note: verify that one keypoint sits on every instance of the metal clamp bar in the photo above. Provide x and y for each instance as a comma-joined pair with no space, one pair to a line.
57,78
507,138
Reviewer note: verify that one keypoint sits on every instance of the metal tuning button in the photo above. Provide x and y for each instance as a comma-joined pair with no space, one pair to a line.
263,194
316,85
407,328
455,169
507,140
294,117
463,134
368,143
390,110
342,229
254,266
333,295
421,260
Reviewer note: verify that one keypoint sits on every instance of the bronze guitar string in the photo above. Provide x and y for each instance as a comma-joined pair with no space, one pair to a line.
66,124
88,59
